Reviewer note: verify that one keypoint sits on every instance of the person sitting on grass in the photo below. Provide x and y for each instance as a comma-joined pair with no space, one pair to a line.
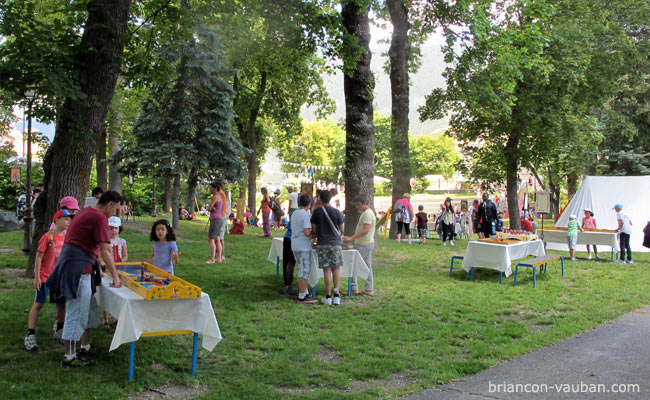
47,254
327,225
301,232
573,226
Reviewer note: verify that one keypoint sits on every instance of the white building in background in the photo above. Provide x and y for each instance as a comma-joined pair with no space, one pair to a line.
19,143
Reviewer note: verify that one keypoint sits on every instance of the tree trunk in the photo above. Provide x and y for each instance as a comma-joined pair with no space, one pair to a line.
555,194
358,85
572,185
192,182
398,53
176,199
153,195
167,199
100,160
80,119
251,134
511,153
115,142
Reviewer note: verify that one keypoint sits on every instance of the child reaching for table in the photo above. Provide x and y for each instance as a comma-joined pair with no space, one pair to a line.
165,250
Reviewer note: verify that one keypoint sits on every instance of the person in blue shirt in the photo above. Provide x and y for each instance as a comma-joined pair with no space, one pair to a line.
498,224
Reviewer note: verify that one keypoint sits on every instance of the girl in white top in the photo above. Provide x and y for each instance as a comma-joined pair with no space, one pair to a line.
118,246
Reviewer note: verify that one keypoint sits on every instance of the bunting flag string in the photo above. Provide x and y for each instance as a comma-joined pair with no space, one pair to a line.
312,167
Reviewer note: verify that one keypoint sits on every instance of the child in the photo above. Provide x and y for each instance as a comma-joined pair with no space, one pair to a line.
498,224
47,254
572,235
118,247
422,220
589,223
165,250
465,224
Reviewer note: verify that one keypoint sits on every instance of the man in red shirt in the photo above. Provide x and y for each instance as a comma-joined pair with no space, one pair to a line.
77,273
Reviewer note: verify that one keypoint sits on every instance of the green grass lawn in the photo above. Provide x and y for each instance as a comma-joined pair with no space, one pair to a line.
421,328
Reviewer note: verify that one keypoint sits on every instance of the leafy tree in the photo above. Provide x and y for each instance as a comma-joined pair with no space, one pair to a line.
524,78
434,155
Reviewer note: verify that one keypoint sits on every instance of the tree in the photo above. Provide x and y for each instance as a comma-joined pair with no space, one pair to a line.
434,155
358,84
524,82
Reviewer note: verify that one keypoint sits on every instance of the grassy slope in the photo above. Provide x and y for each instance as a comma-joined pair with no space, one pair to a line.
421,328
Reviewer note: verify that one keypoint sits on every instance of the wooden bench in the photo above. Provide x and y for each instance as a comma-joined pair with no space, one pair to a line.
538,262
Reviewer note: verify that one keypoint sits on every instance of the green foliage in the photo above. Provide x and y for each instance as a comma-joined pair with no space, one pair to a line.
434,155
383,152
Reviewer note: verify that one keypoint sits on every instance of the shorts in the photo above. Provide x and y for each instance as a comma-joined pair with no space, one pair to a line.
277,215
303,262
222,231
41,296
573,241
80,313
422,233
329,256
216,225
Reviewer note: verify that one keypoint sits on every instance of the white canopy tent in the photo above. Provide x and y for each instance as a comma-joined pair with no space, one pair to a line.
601,193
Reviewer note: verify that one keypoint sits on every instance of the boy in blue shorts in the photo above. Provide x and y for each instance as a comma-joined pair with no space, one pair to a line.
49,248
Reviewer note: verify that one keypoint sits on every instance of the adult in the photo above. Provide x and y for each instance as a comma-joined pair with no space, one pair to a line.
97,192
487,215
77,273
624,231
288,260
327,225
265,208
526,225
293,200
364,241
448,222
224,220
276,207
403,212
216,221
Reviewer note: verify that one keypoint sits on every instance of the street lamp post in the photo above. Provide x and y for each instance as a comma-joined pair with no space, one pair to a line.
27,240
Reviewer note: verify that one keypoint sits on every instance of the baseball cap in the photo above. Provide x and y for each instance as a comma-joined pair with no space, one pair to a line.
420,207
572,216
618,206
115,221
61,213
277,191
588,209
69,202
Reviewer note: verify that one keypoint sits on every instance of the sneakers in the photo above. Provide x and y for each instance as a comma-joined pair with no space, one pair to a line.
629,262
336,300
290,290
444,243
574,259
307,300
451,242
76,363
620,261
30,343
597,257
589,257
327,301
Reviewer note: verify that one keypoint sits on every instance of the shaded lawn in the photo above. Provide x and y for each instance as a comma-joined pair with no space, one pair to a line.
420,329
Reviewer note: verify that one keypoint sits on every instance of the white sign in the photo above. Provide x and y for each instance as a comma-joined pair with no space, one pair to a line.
543,202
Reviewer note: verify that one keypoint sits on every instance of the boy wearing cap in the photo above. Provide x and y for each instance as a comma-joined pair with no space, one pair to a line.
572,235
47,254
624,230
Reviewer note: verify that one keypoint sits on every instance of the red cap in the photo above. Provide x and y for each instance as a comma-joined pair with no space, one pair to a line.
61,213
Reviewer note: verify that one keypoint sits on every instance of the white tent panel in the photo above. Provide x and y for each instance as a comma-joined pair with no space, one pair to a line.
601,193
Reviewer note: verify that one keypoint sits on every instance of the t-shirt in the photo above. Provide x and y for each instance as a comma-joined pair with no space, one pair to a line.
117,246
300,219
368,217
627,226
589,223
162,255
421,218
293,200
50,253
572,227
324,233
527,226
87,229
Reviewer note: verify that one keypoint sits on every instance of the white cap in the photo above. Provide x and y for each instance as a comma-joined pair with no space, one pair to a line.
572,216
588,209
115,221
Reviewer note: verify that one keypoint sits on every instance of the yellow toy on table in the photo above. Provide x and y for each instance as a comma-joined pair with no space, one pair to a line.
152,283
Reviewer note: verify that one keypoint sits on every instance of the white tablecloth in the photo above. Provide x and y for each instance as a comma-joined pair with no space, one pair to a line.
598,238
353,264
499,256
136,315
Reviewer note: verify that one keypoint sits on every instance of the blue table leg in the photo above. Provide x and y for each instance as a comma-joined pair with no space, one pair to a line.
131,359
514,283
472,274
534,278
314,292
500,274
277,267
349,286
194,352
451,267
562,261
